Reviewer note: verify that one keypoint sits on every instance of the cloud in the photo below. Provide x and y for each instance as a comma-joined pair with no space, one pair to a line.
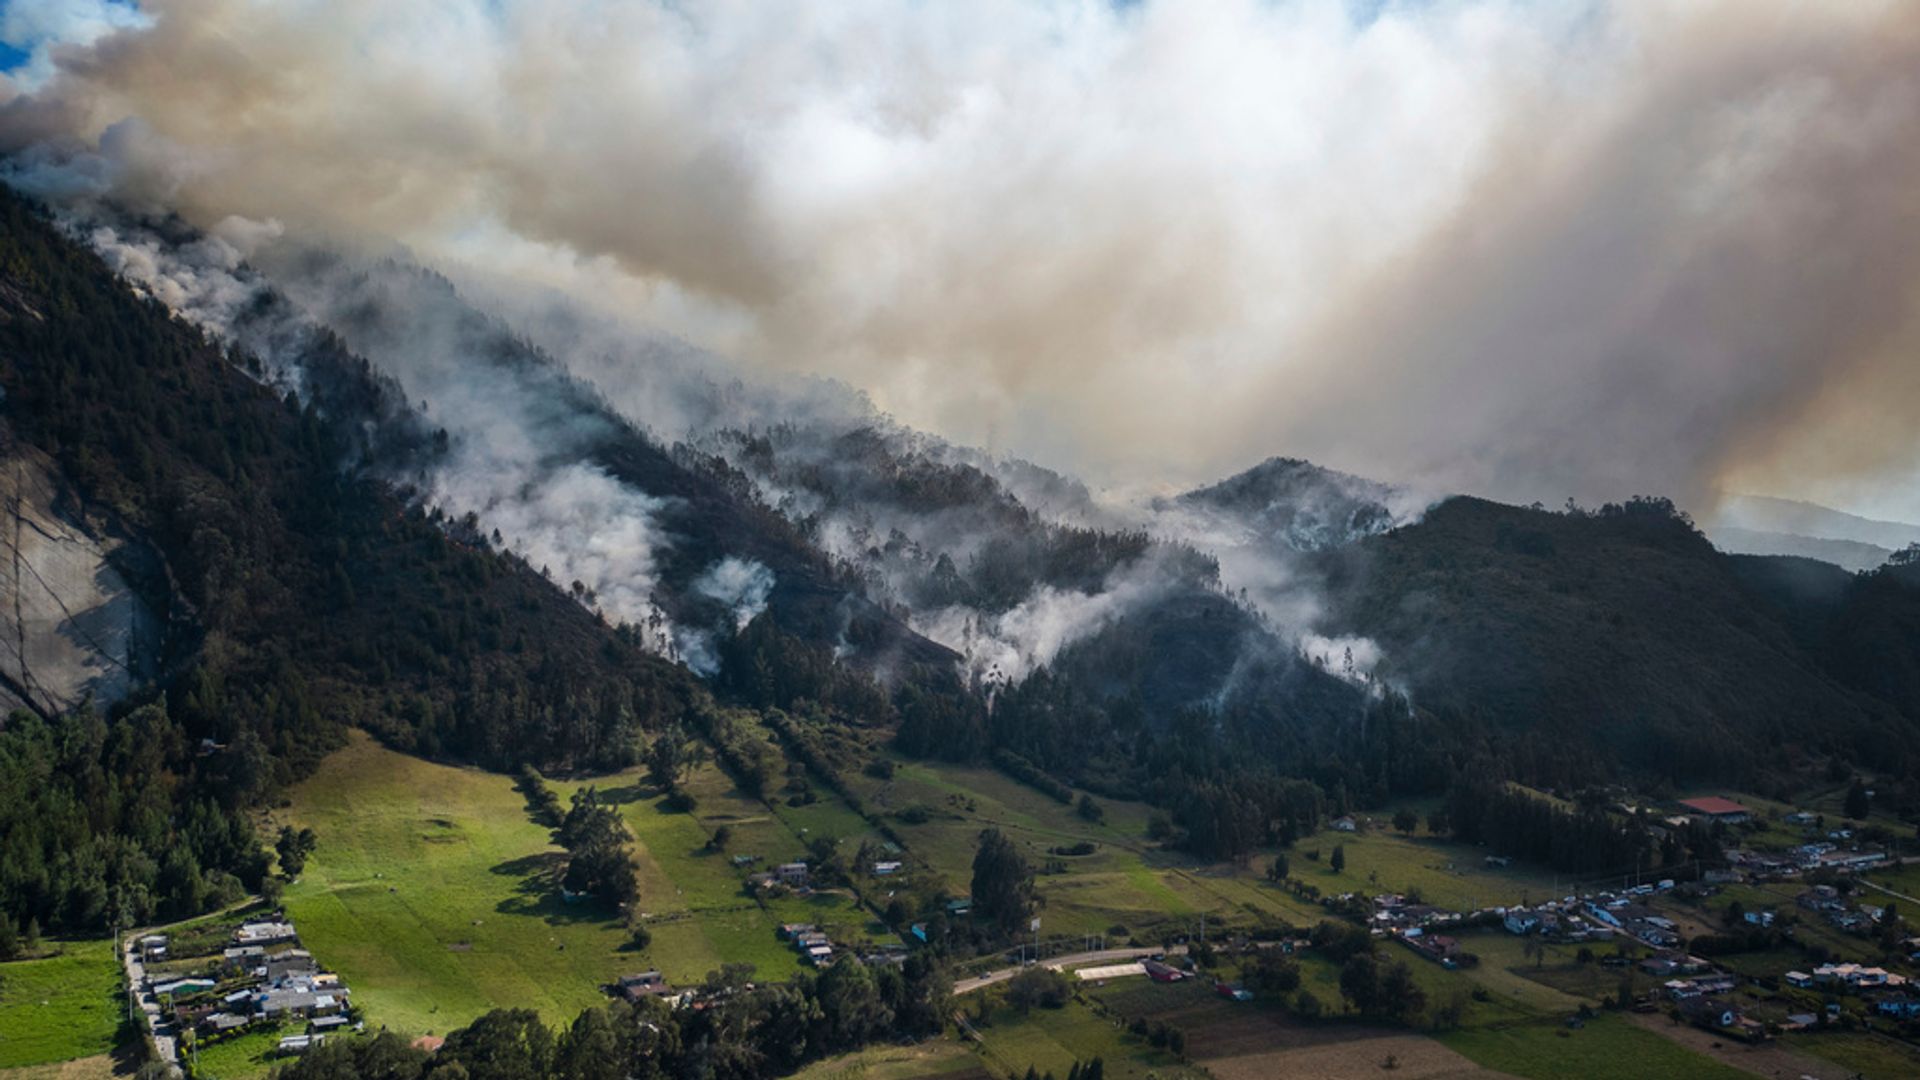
37,27
1530,250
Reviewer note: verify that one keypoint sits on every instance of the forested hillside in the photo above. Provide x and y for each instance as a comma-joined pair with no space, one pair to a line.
306,596
1616,639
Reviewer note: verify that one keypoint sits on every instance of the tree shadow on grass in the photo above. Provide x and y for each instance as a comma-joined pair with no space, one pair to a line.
545,865
638,791
537,892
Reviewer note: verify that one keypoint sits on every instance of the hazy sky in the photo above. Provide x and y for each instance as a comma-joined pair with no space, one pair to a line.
1532,249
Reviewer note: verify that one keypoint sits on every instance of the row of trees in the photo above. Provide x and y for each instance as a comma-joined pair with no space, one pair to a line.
1002,882
1585,839
740,1033
599,850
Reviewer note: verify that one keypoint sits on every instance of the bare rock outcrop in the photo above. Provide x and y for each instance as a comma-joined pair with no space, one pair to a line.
72,626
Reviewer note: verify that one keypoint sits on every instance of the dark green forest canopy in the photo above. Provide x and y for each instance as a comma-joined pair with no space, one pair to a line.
301,594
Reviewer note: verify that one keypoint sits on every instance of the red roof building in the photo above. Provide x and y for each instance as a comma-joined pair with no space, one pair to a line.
1719,809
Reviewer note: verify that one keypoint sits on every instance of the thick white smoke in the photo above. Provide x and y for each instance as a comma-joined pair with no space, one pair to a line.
591,534
742,585
1532,250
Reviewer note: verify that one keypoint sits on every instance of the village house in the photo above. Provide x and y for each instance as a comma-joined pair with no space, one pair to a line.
264,933
1520,921
1673,963
1710,1012
1701,986
296,1000
1899,1006
1849,861
1439,948
1856,976
793,875
293,963
1232,991
1820,898
646,984
1716,1014
220,1023
1162,973
1345,824
153,947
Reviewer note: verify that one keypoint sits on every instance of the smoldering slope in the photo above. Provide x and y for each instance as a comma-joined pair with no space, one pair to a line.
519,441
520,451
1588,248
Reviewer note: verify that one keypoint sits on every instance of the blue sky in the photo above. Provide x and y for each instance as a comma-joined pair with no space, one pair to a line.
27,25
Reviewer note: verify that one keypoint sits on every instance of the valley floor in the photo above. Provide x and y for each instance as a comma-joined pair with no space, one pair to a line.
432,893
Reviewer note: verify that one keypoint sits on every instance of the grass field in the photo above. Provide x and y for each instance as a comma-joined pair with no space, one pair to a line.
1607,1047
60,1007
1444,873
250,1055
934,1057
424,894
1126,882
1904,879
98,1067
430,890
1873,1056
1051,1040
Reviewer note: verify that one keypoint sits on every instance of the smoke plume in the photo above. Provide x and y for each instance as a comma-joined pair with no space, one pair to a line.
1529,250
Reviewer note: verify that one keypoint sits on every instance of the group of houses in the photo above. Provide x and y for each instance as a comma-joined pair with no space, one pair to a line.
1805,859
810,942
1847,977
1393,912
1596,916
1826,902
261,976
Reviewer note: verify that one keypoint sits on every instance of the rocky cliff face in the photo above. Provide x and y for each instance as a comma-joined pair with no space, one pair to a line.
72,625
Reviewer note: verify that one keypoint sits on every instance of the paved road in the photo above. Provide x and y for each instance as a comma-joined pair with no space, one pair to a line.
967,986
150,1004
163,1036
